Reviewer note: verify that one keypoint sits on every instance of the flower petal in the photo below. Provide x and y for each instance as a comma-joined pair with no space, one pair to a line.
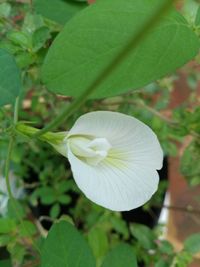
126,178
116,188
130,137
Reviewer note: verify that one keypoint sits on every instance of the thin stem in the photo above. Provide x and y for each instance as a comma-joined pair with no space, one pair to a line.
7,167
187,209
10,148
141,104
54,138
153,111
16,110
104,74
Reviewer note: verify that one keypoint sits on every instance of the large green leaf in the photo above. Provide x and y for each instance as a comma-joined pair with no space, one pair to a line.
120,256
65,247
10,80
58,10
92,38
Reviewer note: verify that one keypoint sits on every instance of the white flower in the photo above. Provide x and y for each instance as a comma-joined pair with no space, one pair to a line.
114,159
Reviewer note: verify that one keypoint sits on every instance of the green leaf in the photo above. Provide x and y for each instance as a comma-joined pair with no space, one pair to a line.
197,20
122,255
40,36
15,210
5,10
144,235
98,241
47,195
166,247
5,263
20,38
18,252
64,199
6,225
10,80
24,59
58,10
162,263
55,210
65,247
27,229
183,259
32,22
5,240
65,186
189,10
120,226
192,243
188,165
89,42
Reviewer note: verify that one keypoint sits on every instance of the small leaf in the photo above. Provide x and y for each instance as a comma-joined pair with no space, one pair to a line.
27,228
4,240
188,165
55,210
183,259
24,59
65,186
144,235
58,10
65,247
40,36
119,226
18,252
166,247
162,263
32,22
15,209
64,199
46,194
98,241
20,38
6,225
10,80
5,10
121,256
192,243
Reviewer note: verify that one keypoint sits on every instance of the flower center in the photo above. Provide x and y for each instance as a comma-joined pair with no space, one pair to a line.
92,151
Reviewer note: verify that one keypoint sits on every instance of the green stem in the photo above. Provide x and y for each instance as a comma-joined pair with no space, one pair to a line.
10,148
7,167
129,47
53,138
16,111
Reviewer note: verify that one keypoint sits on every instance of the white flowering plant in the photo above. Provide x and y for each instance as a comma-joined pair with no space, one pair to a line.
85,115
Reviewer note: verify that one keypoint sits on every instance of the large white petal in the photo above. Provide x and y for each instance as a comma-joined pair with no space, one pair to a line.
115,187
128,136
